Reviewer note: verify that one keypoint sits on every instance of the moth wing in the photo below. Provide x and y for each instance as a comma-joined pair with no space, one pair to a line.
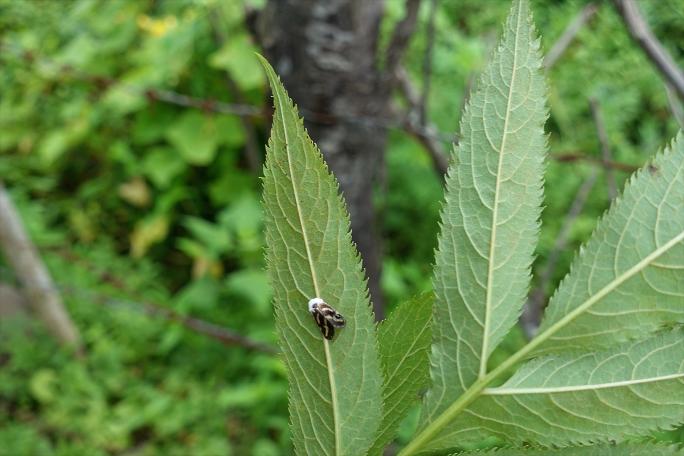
328,330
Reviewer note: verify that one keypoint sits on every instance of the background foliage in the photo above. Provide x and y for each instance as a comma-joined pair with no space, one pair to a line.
132,198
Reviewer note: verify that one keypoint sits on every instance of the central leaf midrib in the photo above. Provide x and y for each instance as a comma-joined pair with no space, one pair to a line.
512,391
328,358
492,240
608,288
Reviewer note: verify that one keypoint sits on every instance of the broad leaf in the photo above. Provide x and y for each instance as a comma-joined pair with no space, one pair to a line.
334,386
624,449
624,391
490,217
404,346
629,278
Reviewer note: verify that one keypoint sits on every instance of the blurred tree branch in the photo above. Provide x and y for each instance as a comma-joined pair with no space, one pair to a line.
606,154
641,33
37,285
569,34
413,125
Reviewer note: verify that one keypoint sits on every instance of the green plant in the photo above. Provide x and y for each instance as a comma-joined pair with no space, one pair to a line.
608,362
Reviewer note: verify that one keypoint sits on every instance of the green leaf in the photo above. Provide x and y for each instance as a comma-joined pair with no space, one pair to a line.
628,279
404,339
490,217
195,136
335,386
624,449
162,164
625,391
237,57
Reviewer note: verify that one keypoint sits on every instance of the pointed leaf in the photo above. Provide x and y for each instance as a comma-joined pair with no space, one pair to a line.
335,386
490,217
404,339
628,280
555,400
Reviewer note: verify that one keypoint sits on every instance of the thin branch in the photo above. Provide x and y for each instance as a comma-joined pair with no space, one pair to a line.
429,136
411,124
579,157
34,277
203,327
642,34
606,154
400,37
213,105
532,314
224,335
427,63
569,34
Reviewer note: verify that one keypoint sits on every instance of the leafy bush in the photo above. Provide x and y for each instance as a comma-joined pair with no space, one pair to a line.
606,365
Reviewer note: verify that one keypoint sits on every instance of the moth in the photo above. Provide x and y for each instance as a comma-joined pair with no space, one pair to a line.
326,317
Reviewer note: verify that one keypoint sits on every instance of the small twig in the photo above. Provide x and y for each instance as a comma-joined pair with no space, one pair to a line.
569,34
575,157
34,277
411,124
213,105
427,63
606,154
400,37
642,34
216,332
222,334
531,317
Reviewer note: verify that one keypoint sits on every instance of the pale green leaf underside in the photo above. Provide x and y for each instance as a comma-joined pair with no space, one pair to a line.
335,387
629,278
623,449
490,216
404,346
621,392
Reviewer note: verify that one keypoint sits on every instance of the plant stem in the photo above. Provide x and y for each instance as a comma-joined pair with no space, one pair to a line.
468,397
474,391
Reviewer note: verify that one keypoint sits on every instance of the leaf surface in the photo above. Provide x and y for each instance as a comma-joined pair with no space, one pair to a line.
558,400
404,339
334,386
490,216
628,280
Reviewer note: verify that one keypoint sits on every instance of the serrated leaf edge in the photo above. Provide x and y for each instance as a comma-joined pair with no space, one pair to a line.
326,345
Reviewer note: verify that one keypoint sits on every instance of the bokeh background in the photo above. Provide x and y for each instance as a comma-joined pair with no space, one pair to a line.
132,134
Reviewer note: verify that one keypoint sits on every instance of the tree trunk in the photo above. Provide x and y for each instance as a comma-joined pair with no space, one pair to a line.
325,53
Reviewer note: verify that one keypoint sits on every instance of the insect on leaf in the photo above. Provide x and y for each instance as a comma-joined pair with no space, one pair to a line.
334,386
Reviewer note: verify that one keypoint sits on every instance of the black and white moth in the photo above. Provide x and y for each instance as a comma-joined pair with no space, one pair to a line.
325,317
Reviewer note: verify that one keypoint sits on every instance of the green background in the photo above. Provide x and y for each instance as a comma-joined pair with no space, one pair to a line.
133,199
